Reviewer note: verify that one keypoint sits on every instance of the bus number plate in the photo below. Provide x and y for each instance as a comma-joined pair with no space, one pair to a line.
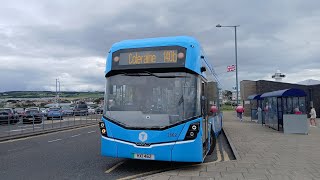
143,156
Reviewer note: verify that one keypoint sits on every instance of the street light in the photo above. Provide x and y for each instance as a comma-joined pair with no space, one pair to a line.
236,54
57,91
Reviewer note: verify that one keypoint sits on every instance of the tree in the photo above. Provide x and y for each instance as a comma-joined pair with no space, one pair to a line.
227,94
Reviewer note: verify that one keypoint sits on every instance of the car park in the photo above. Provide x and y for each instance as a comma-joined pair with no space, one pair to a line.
54,112
8,115
32,116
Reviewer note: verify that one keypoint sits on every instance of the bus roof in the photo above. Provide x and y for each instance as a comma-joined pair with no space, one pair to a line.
151,42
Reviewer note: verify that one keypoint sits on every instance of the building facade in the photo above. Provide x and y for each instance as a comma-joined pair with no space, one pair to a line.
248,87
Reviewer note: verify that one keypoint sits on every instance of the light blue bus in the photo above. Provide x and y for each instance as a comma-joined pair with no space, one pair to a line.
158,96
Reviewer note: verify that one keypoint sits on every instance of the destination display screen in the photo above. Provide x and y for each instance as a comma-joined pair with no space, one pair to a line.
148,57
151,57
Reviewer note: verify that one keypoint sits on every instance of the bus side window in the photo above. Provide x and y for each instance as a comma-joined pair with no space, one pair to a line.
203,99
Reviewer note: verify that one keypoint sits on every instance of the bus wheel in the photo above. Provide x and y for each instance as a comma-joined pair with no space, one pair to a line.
212,143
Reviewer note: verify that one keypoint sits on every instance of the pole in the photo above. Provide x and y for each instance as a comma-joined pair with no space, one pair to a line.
59,94
56,90
236,54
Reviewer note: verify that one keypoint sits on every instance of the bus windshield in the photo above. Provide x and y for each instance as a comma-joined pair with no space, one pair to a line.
151,100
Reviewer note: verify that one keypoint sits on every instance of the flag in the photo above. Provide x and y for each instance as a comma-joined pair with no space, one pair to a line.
231,68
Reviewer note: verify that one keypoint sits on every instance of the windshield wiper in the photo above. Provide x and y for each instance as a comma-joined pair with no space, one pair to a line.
152,74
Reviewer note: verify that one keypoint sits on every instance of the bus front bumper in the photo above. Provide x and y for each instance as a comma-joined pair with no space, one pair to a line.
180,151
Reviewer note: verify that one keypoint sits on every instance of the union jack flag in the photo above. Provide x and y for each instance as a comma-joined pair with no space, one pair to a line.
231,68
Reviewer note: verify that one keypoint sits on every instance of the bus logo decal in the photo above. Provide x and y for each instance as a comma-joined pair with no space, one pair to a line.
143,136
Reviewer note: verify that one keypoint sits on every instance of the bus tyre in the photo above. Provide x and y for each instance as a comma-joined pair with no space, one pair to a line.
212,143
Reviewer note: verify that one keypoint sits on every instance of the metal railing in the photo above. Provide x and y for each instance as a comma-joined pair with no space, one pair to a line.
17,125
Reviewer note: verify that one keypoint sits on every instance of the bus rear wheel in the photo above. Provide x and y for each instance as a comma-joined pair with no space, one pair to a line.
212,143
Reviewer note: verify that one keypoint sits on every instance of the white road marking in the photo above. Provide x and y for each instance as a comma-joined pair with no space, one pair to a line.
76,135
20,139
54,140
91,132
114,167
15,149
23,129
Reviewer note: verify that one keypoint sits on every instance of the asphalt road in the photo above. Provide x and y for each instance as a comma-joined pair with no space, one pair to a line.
75,154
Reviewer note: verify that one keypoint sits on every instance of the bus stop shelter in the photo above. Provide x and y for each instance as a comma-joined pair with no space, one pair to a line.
276,104
255,104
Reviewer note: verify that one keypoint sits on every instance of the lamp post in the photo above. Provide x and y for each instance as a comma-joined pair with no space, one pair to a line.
236,54
57,91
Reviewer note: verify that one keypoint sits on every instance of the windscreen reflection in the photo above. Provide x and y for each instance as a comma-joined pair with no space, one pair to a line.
151,100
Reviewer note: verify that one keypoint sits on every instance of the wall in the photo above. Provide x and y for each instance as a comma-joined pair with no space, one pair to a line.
247,88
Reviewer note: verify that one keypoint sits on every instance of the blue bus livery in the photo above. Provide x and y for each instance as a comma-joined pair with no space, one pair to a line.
157,101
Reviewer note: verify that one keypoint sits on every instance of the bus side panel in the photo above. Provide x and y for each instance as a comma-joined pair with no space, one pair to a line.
191,151
188,152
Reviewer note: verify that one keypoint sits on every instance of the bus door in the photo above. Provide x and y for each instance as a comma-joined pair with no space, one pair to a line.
204,113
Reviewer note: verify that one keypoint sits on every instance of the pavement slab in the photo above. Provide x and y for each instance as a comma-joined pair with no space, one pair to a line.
261,153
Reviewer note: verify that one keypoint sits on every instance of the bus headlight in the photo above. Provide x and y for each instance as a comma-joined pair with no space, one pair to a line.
180,55
116,59
103,129
192,131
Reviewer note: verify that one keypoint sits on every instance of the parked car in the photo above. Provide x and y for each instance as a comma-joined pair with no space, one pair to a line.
32,116
20,112
44,111
91,111
32,108
8,115
99,110
80,110
67,111
54,112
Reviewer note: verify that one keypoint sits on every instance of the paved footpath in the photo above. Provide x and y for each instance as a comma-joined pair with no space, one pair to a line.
261,152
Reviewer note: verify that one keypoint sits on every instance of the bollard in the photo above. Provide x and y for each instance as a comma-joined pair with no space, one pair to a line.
74,119
42,121
87,117
60,120
52,122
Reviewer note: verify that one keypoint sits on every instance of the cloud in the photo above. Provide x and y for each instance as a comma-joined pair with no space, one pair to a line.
42,41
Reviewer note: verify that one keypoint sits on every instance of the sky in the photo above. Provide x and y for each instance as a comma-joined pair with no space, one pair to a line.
41,41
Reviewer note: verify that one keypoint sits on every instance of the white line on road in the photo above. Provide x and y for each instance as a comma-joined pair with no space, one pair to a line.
76,135
54,140
114,167
31,137
91,132
23,129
